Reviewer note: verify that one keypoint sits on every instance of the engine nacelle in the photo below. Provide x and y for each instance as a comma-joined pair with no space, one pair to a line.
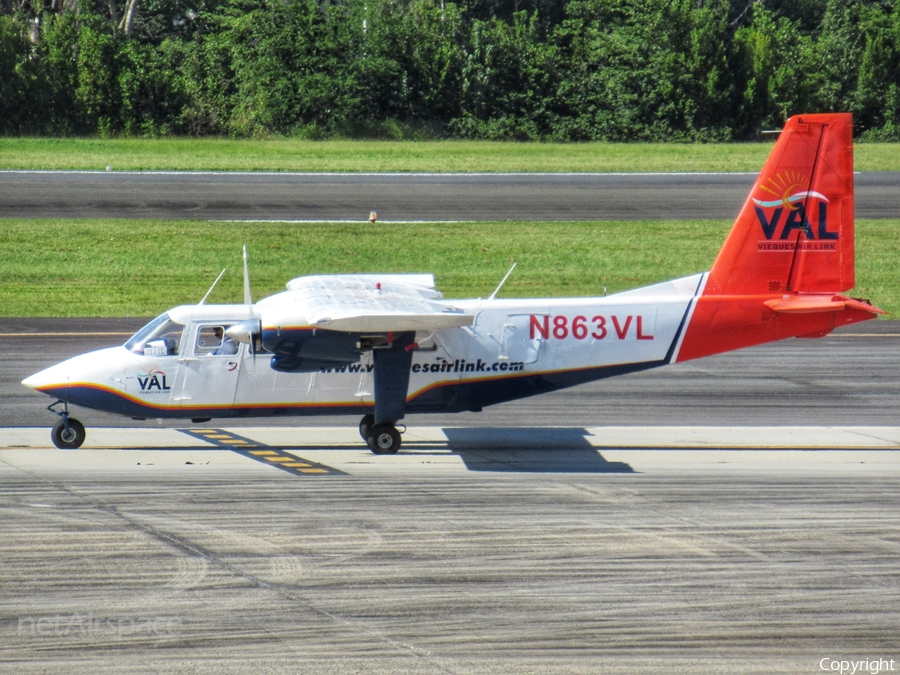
305,350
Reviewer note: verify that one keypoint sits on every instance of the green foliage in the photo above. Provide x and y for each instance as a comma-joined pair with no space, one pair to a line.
53,78
877,95
97,98
430,44
562,70
775,60
644,71
13,96
508,81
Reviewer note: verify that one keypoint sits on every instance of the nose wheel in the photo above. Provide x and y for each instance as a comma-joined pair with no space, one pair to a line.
68,434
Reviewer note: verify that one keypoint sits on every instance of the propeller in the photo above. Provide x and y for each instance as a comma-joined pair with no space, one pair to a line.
246,331
249,331
247,298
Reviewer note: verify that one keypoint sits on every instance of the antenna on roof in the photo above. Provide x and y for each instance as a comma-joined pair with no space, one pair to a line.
497,290
221,274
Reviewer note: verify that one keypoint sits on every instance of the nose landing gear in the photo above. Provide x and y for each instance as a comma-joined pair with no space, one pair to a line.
68,433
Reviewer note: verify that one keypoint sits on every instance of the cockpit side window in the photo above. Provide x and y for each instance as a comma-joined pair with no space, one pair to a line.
212,341
160,337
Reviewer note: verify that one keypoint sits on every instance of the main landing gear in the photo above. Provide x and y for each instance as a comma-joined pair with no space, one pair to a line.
382,439
68,433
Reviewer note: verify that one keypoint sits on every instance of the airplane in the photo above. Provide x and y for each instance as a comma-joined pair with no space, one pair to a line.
387,345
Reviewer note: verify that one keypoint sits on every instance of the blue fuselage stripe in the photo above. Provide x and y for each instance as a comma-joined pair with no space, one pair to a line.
445,398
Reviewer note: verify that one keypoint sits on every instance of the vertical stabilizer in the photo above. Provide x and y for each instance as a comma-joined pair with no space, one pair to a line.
795,232
789,256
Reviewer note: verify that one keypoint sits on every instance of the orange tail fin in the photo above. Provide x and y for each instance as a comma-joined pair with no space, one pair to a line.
790,253
795,232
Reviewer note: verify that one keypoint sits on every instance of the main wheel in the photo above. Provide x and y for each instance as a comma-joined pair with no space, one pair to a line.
383,439
364,424
68,439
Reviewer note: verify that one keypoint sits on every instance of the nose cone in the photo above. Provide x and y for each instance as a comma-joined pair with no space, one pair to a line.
33,381
80,372
52,377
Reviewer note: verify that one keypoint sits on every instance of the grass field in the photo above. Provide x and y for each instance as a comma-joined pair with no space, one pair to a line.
141,268
378,156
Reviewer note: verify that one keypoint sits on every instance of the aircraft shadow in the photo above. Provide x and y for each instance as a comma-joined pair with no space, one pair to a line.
530,450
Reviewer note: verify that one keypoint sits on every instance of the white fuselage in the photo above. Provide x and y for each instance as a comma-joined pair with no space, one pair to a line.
514,348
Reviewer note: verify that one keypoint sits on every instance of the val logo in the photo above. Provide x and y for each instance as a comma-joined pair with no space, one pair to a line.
786,214
154,380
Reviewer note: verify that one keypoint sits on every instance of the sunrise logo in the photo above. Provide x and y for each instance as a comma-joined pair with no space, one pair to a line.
790,188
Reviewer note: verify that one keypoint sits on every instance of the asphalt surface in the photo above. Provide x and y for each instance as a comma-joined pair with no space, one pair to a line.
285,196
148,557
184,560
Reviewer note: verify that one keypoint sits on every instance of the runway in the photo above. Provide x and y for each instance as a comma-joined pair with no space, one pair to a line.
181,556
436,197
735,514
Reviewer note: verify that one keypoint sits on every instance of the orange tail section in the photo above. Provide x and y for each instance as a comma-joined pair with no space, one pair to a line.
790,253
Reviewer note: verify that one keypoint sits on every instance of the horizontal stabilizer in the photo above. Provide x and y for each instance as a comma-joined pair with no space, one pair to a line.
808,304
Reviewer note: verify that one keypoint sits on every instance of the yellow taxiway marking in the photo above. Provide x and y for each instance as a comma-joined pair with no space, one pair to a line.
270,456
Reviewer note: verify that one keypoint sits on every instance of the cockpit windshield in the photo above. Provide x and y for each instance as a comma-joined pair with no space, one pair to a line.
160,337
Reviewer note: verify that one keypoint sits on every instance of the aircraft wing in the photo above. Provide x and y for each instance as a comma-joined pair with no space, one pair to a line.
368,303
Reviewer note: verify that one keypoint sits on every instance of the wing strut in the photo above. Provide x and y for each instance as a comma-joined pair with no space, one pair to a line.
391,374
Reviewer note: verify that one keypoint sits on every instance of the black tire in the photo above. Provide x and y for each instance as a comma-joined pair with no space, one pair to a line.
383,439
68,440
364,425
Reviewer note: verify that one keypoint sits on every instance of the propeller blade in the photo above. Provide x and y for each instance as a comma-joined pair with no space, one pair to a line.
248,300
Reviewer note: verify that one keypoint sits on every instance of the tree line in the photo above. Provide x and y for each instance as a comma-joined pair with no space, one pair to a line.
550,70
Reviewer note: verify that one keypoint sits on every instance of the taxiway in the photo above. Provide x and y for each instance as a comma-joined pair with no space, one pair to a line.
626,550
434,197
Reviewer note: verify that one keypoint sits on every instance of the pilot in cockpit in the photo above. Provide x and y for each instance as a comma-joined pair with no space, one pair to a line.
227,346
212,341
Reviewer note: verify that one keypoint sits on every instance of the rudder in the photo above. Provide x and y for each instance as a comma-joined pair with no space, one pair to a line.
790,254
795,231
